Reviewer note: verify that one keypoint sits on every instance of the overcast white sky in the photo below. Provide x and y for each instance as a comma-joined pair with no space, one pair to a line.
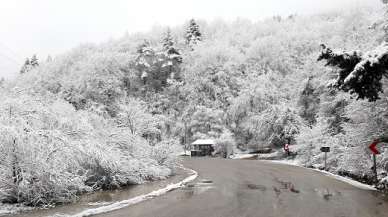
54,26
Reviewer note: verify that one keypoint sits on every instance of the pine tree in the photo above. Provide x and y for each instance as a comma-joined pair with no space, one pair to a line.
34,61
26,66
167,41
359,73
171,55
144,59
193,35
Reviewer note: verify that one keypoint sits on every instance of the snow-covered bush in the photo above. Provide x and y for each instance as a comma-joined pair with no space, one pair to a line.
165,153
225,144
345,156
50,152
38,162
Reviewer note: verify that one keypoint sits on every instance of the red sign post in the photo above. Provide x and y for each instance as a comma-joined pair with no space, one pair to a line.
375,152
373,148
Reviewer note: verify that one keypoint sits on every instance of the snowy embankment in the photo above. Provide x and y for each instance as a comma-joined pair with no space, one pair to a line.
257,156
332,175
138,199
243,156
11,209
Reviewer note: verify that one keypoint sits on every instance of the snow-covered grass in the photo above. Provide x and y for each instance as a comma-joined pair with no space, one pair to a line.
138,199
10,209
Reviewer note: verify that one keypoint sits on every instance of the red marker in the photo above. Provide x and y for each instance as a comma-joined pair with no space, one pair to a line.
373,148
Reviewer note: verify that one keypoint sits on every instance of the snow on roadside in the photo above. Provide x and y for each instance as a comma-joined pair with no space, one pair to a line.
332,175
138,199
348,180
99,203
286,162
9,209
243,156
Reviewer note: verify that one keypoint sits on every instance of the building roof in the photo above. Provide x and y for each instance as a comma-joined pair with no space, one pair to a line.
204,142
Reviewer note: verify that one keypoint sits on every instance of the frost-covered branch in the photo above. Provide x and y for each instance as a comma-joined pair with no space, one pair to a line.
359,73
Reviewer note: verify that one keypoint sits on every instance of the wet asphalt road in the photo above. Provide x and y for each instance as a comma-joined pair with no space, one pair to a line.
242,188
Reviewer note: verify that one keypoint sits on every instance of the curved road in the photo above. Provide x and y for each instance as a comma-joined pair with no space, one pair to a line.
242,188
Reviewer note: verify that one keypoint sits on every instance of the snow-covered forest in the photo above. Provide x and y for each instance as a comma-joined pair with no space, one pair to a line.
117,113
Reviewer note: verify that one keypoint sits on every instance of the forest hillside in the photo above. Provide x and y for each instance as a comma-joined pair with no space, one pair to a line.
117,113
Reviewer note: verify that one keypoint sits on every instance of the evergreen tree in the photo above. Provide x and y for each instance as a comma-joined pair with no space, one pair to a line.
193,35
359,73
26,66
153,66
29,64
34,61
144,59
171,54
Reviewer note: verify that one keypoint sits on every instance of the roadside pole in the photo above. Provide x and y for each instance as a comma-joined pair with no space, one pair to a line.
375,152
375,169
325,160
325,150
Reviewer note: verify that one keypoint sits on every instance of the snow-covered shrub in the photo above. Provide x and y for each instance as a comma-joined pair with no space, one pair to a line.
225,144
344,157
165,153
50,152
37,162
133,115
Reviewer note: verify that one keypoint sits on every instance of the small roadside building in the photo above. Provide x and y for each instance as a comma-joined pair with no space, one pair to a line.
202,147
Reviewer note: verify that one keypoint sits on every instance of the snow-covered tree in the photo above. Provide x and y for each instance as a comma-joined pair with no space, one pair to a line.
359,73
29,64
171,54
156,67
34,61
309,102
206,123
133,116
145,59
26,66
193,34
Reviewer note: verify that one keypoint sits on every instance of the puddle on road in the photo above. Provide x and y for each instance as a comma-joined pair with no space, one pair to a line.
256,187
197,188
327,194
285,185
